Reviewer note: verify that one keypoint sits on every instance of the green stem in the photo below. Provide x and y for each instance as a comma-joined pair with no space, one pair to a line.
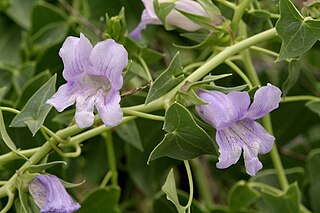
106,179
266,120
238,13
188,206
3,182
227,4
13,156
207,67
143,115
239,72
9,202
299,98
146,69
201,182
111,157
263,50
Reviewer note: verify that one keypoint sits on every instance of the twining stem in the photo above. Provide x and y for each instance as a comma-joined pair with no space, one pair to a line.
143,115
146,69
201,182
239,72
188,206
9,202
266,120
207,67
299,98
263,50
238,13
107,135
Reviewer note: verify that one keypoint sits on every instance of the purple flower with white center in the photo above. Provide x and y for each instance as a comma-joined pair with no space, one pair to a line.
94,78
234,118
174,18
50,195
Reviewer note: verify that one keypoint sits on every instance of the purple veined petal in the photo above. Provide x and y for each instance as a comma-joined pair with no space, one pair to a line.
266,99
220,111
146,19
84,111
75,56
64,97
251,161
255,139
241,102
109,59
50,195
109,108
177,19
229,148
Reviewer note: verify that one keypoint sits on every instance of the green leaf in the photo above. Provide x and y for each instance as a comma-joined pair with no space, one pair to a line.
6,138
36,109
289,201
10,40
170,189
298,34
31,86
294,73
241,196
185,138
313,165
41,167
20,12
314,106
102,200
130,134
170,78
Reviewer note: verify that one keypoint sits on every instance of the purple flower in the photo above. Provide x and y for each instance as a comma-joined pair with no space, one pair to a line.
233,117
50,195
174,18
94,78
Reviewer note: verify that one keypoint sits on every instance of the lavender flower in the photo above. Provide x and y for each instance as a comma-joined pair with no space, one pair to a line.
174,18
234,119
93,77
50,195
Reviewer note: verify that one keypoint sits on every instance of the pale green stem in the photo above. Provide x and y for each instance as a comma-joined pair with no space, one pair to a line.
191,66
146,69
52,134
238,13
9,109
3,182
266,120
188,206
239,72
13,156
107,135
299,98
263,50
207,67
201,182
9,202
143,115
227,4
106,179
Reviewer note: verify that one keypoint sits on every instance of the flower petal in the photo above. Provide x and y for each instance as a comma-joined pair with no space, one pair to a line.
255,140
50,195
75,56
64,97
177,19
146,19
266,99
229,148
222,110
109,59
84,111
109,108
251,161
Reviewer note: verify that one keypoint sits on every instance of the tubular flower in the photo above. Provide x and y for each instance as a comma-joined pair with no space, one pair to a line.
174,18
94,78
50,195
233,117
